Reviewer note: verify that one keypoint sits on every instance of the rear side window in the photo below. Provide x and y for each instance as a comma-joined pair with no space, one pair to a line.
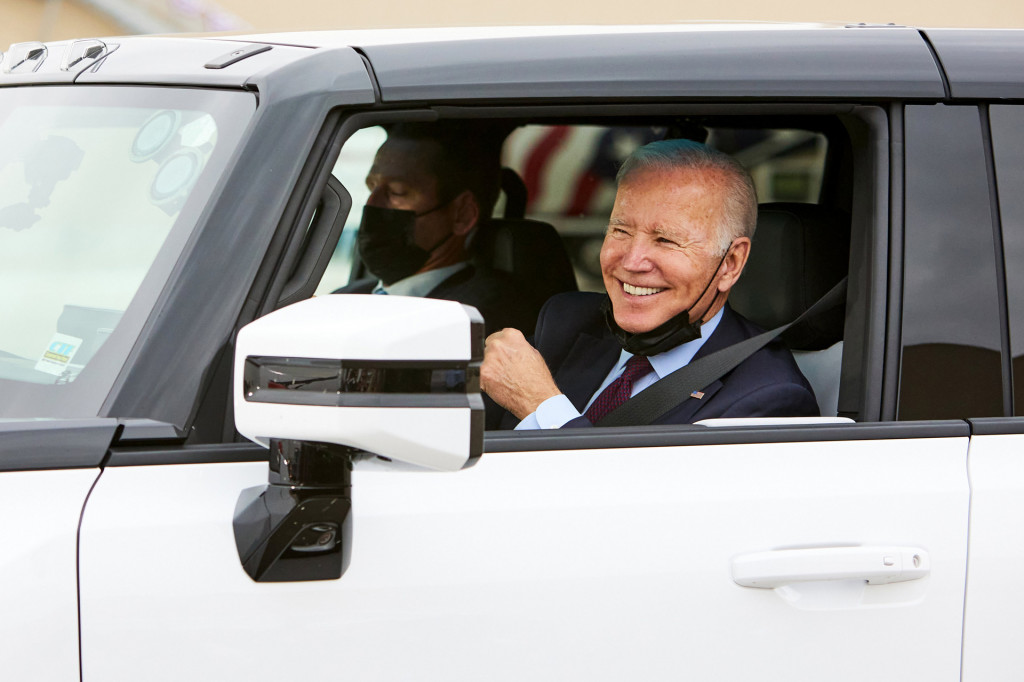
951,338
1008,149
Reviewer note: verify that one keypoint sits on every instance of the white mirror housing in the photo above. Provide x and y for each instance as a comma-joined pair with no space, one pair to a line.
395,376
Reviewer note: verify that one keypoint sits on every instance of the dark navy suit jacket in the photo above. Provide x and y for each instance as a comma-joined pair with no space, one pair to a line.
580,351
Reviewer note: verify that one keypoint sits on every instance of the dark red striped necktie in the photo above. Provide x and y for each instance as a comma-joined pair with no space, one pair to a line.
619,390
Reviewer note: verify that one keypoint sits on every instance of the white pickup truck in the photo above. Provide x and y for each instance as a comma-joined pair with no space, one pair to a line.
197,484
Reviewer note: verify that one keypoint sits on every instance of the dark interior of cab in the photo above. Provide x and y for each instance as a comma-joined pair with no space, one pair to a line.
558,186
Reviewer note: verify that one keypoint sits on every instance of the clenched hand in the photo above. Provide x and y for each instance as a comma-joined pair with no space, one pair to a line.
514,374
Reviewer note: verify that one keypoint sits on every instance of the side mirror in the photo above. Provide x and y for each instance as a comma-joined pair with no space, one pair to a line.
395,376
328,378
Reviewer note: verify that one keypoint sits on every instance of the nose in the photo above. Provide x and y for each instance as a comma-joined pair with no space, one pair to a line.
636,256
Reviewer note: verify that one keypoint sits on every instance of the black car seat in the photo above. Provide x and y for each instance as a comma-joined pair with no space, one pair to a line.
530,250
799,252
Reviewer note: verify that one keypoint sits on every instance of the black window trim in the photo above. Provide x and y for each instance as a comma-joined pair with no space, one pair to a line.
508,442
894,304
1005,353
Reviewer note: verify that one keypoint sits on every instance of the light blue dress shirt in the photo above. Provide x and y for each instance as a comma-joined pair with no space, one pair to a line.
557,410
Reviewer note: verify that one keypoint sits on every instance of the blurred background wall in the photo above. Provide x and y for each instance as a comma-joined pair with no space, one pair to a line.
24,20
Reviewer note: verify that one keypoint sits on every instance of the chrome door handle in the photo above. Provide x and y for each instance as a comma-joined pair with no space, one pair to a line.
875,564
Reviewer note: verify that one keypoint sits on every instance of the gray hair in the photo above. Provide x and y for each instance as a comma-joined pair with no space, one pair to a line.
739,215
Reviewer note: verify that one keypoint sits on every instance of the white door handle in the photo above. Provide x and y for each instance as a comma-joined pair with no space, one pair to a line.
875,564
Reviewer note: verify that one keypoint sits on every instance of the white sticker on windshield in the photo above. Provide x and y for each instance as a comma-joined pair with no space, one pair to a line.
58,356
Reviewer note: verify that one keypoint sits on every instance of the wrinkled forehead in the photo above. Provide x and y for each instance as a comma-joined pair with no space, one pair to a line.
671,199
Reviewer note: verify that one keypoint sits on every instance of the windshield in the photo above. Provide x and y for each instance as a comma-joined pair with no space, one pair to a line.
100,188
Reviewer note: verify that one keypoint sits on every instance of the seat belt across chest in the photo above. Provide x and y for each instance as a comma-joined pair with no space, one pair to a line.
663,395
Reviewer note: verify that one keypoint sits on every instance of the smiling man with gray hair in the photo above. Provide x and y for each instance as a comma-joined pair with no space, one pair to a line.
678,238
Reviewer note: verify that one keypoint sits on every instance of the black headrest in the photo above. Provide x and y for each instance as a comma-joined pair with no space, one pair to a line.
515,193
529,249
799,252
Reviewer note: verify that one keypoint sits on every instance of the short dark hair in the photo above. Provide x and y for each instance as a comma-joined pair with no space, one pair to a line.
740,210
468,157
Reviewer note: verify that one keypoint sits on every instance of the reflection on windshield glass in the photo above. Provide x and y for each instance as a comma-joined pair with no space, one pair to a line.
87,197
101,190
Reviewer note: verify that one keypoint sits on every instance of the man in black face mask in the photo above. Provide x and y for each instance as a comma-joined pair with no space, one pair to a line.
431,185
677,240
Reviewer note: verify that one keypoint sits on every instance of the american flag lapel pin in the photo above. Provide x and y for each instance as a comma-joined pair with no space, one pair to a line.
697,394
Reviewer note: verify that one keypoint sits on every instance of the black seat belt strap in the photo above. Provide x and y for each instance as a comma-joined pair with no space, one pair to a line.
663,395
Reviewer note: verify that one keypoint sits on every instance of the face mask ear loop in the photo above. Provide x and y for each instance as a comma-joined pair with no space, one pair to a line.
434,210
438,244
700,320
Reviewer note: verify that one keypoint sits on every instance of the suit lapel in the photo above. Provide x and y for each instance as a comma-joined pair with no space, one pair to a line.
455,279
726,334
684,412
585,367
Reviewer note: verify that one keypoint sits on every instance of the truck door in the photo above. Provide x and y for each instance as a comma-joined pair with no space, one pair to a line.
46,471
556,556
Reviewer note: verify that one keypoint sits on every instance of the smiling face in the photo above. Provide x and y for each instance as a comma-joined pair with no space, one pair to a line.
662,247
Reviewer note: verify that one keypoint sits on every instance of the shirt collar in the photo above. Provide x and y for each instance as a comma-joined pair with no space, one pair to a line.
680,356
421,283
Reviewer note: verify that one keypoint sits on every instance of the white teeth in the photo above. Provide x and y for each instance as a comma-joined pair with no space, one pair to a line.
640,291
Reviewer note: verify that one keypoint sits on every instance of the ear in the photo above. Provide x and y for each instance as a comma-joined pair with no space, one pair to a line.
465,212
732,266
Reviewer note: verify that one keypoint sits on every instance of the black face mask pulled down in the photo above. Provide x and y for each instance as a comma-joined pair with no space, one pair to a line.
387,242
673,332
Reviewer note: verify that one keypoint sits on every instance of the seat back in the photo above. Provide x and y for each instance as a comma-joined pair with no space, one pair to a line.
799,252
530,250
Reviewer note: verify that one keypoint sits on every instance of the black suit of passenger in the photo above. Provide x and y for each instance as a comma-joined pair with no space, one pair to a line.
497,295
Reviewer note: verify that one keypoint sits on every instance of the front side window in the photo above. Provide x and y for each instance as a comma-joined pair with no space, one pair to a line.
558,188
98,187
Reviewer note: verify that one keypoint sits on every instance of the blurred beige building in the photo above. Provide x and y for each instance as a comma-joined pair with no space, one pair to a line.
25,20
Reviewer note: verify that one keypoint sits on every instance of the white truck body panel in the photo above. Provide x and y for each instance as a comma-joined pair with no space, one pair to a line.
582,564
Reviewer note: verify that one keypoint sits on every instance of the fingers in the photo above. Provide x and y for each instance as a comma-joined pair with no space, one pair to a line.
514,374
509,336
506,353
